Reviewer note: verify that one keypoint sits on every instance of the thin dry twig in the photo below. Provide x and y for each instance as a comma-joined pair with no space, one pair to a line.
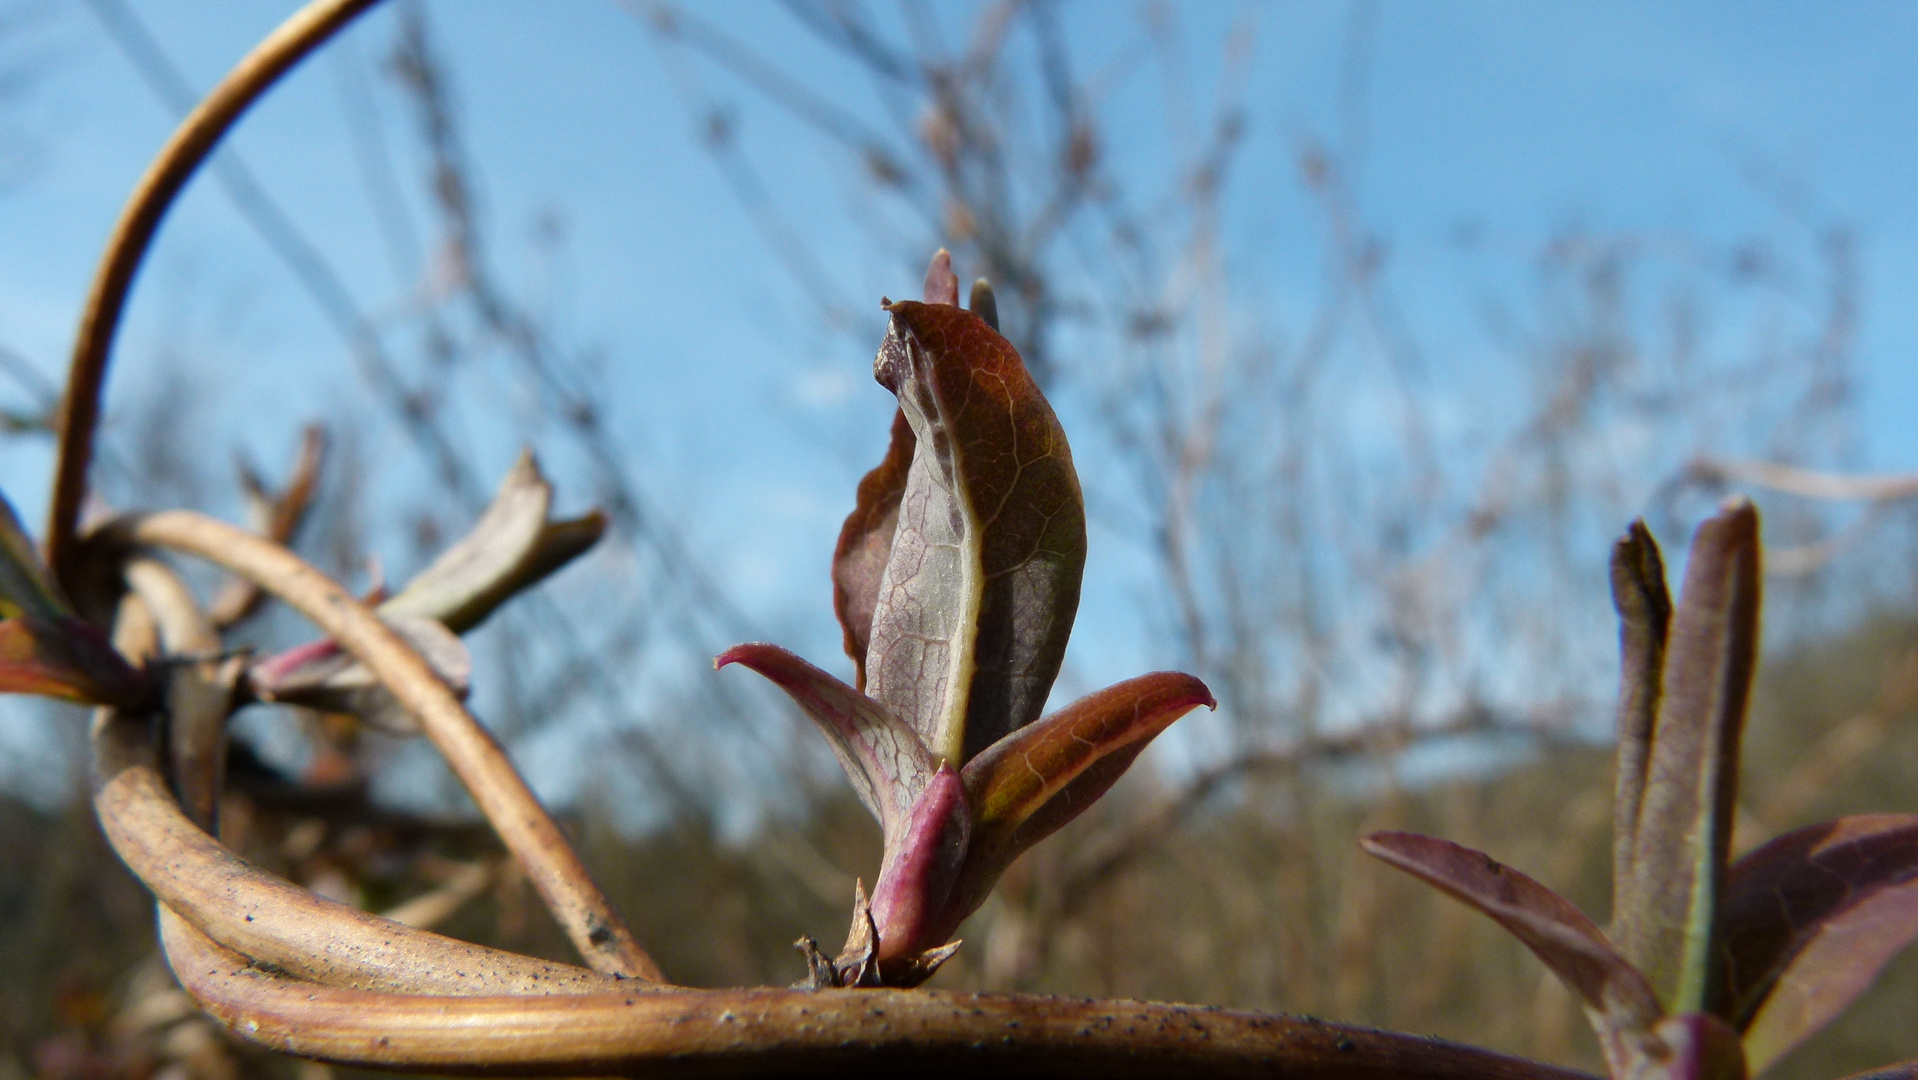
1807,483
501,794
190,146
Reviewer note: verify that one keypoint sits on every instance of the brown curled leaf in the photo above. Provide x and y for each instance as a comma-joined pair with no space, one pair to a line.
66,658
1810,919
1617,998
1644,623
510,548
1667,914
865,545
887,764
1030,783
982,584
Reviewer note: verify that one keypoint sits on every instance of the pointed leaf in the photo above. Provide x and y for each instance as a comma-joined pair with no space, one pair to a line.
320,675
979,594
66,658
1616,996
1810,919
1667,907
983,303
26,586
1644,618
511,547
865,545
887,764
909,899
942,285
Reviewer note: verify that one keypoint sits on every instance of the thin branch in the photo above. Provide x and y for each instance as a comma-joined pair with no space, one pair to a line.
133,235
1807,483
482,766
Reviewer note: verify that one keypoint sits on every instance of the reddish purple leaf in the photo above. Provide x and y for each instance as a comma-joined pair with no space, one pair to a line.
1693,1046
885,761
1618,998
1030,783
1809,921
942,285
1666,912
65,658
909,899
865,545
978,597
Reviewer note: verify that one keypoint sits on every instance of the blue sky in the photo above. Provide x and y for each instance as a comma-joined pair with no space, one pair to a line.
750,417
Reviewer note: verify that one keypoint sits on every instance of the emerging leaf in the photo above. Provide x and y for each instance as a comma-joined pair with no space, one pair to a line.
887,764
320,675
865,545
1644,616
1036,779
65,658
1668,904
1810,919
983,303
909,906
1693,1046
978,596
1619,1001
26,586
942,285
510,548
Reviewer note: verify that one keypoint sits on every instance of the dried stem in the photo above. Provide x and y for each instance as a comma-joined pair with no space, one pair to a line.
1809,483
274,921
192,142
711,1033
502,795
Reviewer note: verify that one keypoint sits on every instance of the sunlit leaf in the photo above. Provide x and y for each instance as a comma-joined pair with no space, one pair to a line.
1618,998
26,587
979,593
1809,920
65,658
1030,783
920,868
320,675
887,764
865,545
1644,617
1668,903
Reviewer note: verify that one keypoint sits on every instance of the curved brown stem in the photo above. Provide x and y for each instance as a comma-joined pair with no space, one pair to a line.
481,765
191,144
273,921
714,1033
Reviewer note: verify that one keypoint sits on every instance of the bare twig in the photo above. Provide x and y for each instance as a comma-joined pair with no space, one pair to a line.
1807,483
132,236
501,794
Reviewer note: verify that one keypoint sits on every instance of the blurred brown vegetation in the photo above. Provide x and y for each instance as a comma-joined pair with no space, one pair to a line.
1361,599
